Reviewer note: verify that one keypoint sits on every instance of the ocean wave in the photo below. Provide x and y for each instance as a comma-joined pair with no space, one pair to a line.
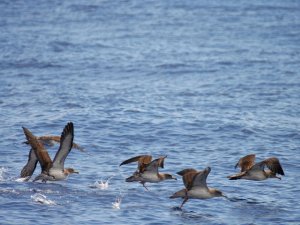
42,199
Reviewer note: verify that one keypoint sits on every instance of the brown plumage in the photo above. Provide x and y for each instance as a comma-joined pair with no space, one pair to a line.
185,171
40,152
143,161
51,170
256,171
246,162
49,140
273,164
46,140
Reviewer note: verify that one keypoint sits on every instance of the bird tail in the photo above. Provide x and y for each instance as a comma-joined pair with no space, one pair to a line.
132,179
235,177
179,194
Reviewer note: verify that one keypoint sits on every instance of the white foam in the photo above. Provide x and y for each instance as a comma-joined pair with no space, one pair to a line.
117,203
100,184
103,185
3,170
40,198
22,179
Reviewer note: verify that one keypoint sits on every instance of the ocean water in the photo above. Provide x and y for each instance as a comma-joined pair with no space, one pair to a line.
203,82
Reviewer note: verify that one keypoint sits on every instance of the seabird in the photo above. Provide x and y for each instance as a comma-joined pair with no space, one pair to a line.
147,170
30,166
256,171
51,170
195,186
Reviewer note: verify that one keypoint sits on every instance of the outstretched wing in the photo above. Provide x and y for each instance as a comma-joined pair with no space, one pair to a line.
49,140
185,171
66,142
141,159
29,168
199,180
274,165
188,178
246,162
39,150
153,166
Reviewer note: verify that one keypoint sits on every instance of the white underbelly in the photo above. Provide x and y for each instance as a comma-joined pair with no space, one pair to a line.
150,177
57,174
200,193
257,175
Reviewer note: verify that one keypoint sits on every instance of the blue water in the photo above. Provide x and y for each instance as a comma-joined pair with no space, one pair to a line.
203,82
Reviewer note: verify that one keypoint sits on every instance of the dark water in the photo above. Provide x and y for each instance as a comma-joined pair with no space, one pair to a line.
204,82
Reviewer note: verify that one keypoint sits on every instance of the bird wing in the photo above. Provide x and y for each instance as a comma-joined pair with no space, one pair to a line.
199,180
146,159
161,161
76,146
47,140
39,150
153,166
143,162
66,142
274,165
188,178
29,168
246,162
185,171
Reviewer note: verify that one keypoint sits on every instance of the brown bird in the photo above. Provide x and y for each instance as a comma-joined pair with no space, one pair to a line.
256,171
51,170
147,170
195,186
30,166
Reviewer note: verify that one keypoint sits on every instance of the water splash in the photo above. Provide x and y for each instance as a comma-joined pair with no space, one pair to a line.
22,179
103,185
40,198
3,170
117,203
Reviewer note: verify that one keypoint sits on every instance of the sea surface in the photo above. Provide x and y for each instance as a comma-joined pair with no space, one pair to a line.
203,82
